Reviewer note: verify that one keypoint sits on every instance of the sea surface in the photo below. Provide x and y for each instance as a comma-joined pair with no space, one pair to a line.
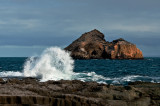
101,71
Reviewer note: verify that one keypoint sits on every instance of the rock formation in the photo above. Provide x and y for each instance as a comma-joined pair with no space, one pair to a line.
92,45
31,92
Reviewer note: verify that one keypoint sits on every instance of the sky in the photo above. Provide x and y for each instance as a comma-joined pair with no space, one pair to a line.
27,27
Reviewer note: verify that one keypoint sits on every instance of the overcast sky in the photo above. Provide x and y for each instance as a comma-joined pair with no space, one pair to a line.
29,26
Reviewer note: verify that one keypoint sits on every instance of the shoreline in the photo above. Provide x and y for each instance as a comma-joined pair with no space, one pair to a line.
64,92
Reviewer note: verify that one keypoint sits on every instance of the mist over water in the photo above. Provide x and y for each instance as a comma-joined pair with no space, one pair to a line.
56,64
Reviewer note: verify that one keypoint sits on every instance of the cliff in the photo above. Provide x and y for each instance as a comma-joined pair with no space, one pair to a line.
92,45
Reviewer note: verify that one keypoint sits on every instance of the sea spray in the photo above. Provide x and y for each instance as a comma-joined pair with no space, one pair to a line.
53,64
56,64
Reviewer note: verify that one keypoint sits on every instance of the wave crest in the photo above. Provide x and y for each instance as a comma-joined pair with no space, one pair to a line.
53,64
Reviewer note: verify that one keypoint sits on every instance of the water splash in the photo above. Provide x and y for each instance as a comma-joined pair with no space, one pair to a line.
56,64
53,64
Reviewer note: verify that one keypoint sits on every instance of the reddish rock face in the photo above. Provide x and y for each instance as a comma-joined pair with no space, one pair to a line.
121,49
92,45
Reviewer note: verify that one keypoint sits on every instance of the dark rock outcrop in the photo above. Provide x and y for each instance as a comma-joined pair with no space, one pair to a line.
92,45
31,92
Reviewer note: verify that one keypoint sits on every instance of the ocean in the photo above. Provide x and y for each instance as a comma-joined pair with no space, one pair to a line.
56,64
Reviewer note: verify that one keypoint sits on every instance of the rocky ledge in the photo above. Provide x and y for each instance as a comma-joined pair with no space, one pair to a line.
92,45
31,92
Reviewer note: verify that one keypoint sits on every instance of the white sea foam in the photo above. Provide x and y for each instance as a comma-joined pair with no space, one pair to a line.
53,64
128,78
10,74
90,76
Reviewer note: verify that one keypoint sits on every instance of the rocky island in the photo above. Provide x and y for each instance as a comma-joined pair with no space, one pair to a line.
92,45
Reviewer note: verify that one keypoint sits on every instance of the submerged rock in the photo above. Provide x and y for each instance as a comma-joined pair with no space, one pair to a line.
92,45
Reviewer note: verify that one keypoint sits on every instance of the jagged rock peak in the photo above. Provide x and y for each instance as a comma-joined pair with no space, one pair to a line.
93,35
120,40
94,31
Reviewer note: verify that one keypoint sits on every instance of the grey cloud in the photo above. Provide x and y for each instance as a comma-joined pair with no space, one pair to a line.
50,22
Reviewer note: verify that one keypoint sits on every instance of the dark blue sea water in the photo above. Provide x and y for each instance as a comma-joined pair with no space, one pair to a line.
102,71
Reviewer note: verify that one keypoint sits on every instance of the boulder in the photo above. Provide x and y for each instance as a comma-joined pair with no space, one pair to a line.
92,45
